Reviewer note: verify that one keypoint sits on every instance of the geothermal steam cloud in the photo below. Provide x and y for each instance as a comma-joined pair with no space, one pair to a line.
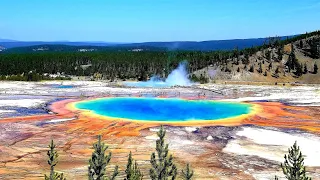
179,77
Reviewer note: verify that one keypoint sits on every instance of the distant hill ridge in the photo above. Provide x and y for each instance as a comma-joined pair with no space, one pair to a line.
175,45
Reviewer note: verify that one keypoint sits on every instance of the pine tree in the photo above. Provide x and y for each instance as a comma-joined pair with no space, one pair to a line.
203,79
265,73
292,62
260,68
292,48
315,68
99,162
187,173
53,161
238,69
277,70
245,67
276,73
293,166
132,171
301,44
162,166
251,69
298,69
280,54
270,66
246,60
289,63
276,178
268,55
314,49
305,69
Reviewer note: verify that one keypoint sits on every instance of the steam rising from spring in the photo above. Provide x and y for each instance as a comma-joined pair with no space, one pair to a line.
178,77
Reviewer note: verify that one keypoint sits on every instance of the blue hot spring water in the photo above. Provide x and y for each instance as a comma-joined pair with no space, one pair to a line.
63,86
155,109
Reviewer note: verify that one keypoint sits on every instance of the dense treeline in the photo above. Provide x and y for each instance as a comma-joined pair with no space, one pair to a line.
111,65
128,64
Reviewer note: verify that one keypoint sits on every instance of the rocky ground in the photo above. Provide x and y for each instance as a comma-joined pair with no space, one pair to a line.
251,150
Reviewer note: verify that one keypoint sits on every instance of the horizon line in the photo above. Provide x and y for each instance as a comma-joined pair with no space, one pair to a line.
8,40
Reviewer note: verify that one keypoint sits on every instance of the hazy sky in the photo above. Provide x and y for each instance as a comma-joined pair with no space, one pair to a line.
155,20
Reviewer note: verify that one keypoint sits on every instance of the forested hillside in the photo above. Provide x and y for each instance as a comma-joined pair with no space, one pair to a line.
292,60
268,60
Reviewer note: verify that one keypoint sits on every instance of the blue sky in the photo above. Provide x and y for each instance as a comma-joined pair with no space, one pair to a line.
155,20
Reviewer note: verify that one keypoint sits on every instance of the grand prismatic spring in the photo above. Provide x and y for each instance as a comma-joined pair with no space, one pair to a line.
164,109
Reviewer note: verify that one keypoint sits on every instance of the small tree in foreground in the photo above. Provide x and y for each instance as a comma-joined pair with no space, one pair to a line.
132,171
293,166
53,161
99,162
187,173
162,166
